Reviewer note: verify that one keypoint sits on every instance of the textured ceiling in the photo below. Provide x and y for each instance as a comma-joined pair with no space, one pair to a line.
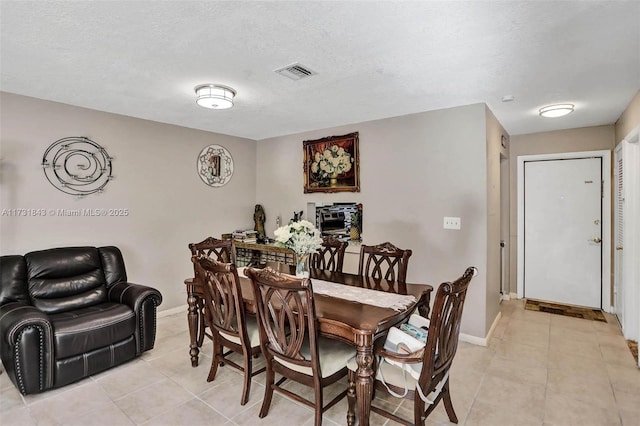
373,59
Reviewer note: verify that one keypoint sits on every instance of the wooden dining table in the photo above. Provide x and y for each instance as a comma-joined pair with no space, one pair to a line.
352,322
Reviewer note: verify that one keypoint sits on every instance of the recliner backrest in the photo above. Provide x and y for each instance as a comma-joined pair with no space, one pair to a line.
113,265
13,280
64,279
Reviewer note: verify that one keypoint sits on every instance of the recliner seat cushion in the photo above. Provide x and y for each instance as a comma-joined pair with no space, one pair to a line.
86,329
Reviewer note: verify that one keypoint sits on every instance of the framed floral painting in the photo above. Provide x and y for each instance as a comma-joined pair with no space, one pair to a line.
332,164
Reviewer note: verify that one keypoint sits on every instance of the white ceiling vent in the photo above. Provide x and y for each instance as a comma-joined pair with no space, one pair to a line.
295,71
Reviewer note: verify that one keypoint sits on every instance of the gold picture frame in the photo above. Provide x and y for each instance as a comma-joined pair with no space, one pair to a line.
332,164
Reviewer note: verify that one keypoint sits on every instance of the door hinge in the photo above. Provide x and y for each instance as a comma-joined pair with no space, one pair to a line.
602,189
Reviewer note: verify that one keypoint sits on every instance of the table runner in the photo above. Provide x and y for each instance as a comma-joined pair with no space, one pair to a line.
382,299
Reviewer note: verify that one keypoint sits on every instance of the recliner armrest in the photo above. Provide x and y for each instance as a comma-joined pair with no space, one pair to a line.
143,300
18,315
132,295
27,346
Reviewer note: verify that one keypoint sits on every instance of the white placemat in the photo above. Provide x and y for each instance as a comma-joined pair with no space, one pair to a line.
367,296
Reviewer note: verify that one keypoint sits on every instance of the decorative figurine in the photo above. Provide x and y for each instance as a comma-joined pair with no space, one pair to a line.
259,218
297,216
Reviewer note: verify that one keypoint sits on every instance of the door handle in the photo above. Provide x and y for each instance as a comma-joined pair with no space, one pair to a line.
619,248
597,240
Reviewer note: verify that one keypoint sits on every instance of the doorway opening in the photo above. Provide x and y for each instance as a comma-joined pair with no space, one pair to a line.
603,241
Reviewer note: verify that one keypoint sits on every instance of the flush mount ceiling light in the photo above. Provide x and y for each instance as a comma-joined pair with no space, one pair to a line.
214,96
558,110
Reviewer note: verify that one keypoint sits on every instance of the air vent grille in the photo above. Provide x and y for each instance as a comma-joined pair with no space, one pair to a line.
295,71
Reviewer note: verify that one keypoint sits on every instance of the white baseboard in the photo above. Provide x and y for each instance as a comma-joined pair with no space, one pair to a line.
481,341
493,326
474,340
176,310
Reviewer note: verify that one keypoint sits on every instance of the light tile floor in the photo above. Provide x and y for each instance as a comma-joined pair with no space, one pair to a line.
539,369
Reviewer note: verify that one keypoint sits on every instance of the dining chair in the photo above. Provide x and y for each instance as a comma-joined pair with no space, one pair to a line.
290,340
330,256
384,261
431,363
231,327
220,250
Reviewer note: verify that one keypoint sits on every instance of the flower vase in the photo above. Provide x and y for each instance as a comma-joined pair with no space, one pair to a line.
333,180
302,266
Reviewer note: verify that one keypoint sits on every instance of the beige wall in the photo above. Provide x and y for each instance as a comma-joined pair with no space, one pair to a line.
415,170
629,120
155,179
495,151
573,140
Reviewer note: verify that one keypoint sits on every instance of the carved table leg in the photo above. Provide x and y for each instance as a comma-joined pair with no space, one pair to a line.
364,381
192,317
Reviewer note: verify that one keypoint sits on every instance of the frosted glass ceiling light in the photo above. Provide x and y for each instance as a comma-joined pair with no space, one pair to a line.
558,110
214,96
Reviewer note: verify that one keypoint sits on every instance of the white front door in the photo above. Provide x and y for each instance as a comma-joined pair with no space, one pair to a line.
563,231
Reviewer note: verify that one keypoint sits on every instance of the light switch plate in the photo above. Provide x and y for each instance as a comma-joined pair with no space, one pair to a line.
451,223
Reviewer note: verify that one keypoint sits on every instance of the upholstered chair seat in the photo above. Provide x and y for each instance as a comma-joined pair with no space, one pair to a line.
332,356
253,333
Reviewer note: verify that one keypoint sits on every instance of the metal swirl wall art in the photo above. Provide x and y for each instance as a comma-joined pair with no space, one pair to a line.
77,166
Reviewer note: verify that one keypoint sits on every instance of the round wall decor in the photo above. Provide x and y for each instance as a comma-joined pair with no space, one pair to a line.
77,166
215,165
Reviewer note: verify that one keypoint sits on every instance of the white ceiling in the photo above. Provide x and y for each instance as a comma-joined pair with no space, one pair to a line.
373,59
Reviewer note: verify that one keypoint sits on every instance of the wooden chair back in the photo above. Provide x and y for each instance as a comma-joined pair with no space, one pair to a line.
384,261
444,330
220,250
224,307
286,316
225,315
435,358
330,256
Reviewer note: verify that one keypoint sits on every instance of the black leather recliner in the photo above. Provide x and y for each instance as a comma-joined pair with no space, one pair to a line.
68,313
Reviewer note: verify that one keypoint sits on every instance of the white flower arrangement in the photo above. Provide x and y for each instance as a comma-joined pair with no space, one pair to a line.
331,162
302,237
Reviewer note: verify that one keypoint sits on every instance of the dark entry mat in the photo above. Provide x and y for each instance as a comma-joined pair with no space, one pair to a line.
566,310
